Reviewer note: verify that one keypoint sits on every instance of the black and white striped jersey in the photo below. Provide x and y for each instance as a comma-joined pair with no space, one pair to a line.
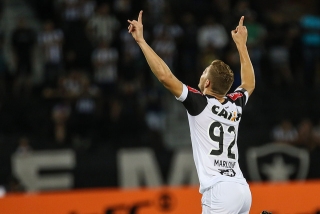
213,129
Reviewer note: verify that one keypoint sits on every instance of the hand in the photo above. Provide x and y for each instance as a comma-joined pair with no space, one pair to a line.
240,34
136,28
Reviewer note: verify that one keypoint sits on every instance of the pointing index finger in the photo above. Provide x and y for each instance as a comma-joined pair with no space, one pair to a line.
140,16
241,21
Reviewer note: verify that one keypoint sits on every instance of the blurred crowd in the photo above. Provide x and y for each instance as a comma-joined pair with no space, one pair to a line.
95,85
305,134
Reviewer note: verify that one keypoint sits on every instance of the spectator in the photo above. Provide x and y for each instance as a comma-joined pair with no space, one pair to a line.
67,87
151,101
73,84
129,70
165,47
132,118
129,46
122,8
169,28
23,146
155,116
103,25
155,8
105,59
284,132
295,49
223,10
207,55
51,42
121,116
213,35
87,9
70,60
242,7
310,24
278,46
83,118
23,40
70,10
189,48
306,135
233,60
60,118
114,123
256,38
130,65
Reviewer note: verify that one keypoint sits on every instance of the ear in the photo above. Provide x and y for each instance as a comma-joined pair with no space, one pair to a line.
207,83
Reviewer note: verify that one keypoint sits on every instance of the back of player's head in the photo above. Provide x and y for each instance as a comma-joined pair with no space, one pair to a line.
220,76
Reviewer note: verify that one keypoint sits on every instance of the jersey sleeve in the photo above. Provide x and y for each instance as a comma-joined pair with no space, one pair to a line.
240,96
193,100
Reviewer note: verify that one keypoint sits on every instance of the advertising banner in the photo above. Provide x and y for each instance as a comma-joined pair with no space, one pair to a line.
106,201
279,198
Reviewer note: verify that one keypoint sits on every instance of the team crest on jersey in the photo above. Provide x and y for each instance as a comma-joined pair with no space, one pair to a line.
235,95
227,172
277,162
193,90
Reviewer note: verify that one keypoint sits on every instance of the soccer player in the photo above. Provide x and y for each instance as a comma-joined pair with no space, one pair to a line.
214,118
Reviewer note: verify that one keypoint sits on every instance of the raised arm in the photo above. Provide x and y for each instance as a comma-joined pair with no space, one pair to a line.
157,65
239,36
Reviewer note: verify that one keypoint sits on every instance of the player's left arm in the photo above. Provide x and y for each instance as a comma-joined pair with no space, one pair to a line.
157,65
240,35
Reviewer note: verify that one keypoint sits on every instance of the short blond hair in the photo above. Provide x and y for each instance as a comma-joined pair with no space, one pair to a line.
221,77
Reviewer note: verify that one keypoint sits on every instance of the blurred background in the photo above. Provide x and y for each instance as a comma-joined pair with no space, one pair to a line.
75,89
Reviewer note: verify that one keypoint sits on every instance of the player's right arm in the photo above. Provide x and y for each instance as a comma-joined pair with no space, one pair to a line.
239,36
157,65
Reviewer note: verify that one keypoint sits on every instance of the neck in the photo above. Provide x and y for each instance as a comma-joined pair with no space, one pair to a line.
219,97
